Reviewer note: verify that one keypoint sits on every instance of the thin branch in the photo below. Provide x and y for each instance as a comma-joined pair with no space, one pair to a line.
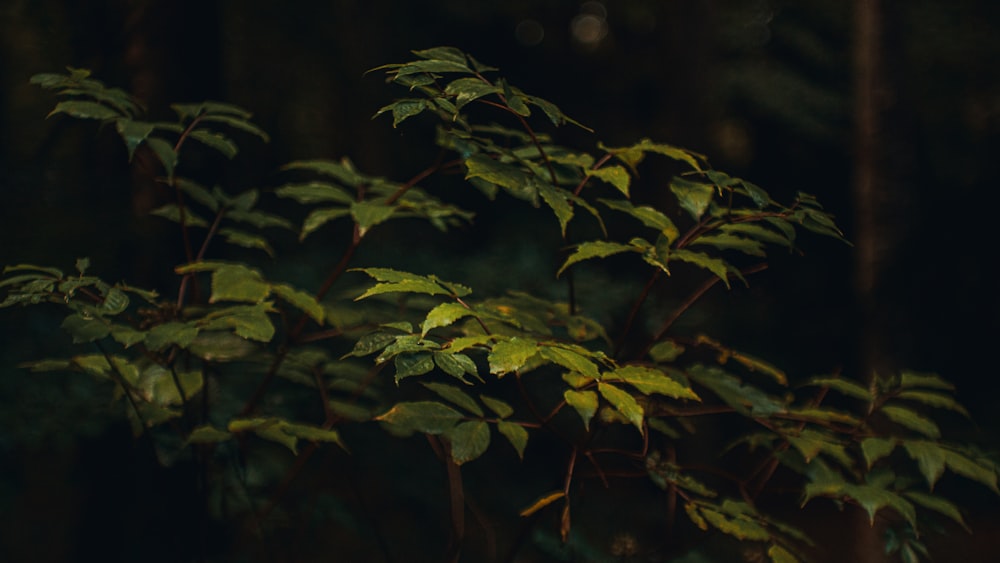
633,313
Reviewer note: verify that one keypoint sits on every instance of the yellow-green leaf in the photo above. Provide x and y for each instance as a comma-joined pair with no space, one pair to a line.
584,402
515,434
623,402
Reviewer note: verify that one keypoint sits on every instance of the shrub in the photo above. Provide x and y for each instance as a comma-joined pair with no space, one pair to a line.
689,433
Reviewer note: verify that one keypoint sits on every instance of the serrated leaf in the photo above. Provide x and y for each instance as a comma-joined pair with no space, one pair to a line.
235,282
558,200
968,468
172,212
455,396
910,419
319,217
303,301
367,214
615,175
216,141
372,342
246,240
467,89
516,181
134,133
647,215
623,402
403,110
456,365
207,434
83,109
929,380
315,192
649,380
198,193
469,440
739,528
930,458
423,286
937,504
542,502
501,408
570,360
744,398
429,417
408,365
725,241
164,151
693,197
238,123
443,315
847,387
595,249
932,399
515,434
715,265
510,355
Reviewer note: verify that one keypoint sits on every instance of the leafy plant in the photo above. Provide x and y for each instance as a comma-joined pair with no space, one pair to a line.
411,353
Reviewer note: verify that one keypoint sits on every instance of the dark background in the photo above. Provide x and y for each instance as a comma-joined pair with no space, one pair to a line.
763,87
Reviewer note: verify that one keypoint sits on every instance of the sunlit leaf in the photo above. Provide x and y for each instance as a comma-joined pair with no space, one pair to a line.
595,249
650,380
615,175
443,315
570,360
623,402
510,355
235,282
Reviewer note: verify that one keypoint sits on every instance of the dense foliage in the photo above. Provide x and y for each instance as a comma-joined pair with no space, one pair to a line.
227,360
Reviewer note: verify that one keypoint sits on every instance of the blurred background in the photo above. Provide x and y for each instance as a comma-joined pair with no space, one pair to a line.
888,111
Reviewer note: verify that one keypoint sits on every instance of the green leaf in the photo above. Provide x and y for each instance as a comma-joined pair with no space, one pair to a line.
408,365
172,212
403,110
82,109
875,449
647,215
731,242
972,469
216,141
932,399
517,182
666,351
247,321
126,335
779,554
372,342
746,399
466,90
455,396
718,267
741,528
221,345
443,315
649,380
930,457
456,365
929,380
198,193
423,286
570,360
584,402
937,504
595,249
510,355
910,419
238,123
469,440
623,402
235,282
615,175
207,434
693,197
164,151
259,219
246,240
442,53
301,300
315,192
134,133
266,428
845,386
558,200
429,417
84,329
312,433
367,214
501,408
515,434
319,217
170,334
